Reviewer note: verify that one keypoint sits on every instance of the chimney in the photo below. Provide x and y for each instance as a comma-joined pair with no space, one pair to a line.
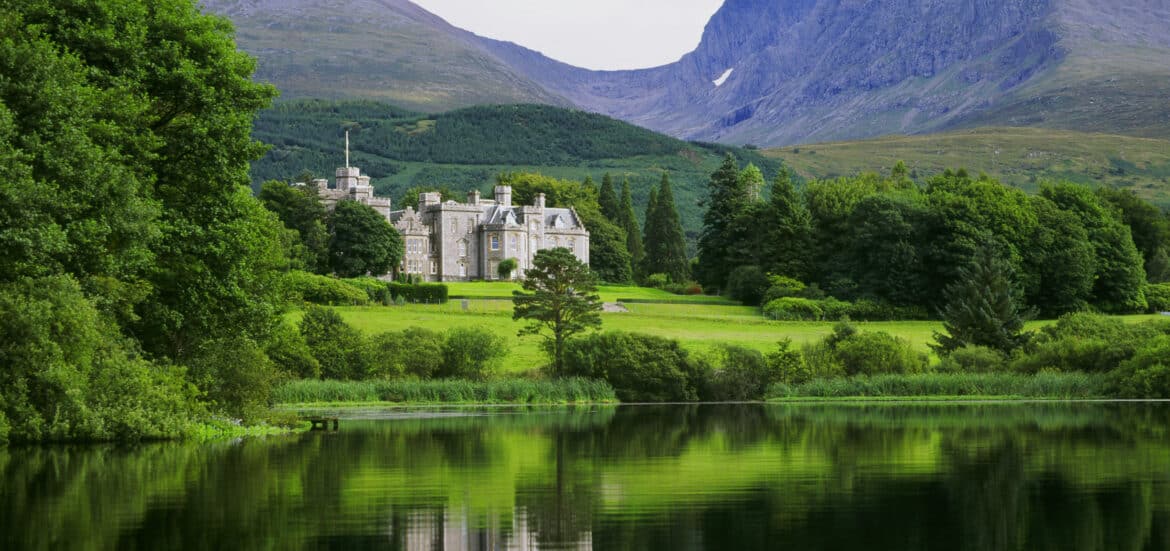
473,197
504,196
539,202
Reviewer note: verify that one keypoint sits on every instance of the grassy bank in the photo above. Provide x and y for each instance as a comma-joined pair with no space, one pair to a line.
499,391
1059,386
699,327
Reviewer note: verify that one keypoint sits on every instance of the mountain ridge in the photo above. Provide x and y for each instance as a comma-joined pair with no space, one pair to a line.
796,71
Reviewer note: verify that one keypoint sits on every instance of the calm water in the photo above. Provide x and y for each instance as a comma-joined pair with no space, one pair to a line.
1021,476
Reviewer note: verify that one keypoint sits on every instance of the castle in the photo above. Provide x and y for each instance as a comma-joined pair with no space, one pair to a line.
452,241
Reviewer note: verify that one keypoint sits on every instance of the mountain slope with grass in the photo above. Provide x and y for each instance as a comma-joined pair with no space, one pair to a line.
465,149
1023,157
387,50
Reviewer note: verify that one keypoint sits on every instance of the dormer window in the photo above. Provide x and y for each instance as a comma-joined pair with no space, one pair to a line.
495,241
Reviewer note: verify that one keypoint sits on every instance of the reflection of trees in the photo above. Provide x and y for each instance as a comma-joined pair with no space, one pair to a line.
974,477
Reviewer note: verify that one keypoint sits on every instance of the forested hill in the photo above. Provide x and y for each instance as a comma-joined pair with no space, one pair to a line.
467,148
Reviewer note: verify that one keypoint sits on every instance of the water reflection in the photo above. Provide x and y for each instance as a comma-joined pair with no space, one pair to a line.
997,476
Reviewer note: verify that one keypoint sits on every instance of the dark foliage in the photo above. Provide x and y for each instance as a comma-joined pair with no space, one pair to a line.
641,368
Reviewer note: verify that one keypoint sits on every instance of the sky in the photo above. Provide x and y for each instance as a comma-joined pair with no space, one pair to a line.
594,34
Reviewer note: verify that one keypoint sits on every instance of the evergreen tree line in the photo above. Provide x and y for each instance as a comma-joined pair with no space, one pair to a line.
897,242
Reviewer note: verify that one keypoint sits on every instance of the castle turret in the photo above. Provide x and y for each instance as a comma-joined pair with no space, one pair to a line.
429,198
347,177
539,201
504,196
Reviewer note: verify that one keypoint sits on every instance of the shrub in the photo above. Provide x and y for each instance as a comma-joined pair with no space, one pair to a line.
783,287
788,364
1043,385
1086,342
641,368
319,289
237,376
794,309
740,374
872,310
506,267
413,351
1147,373
472,353
1158,297
339,348
747,284
657,281
291,354
878,352
429,293
973,359
377,291
820,362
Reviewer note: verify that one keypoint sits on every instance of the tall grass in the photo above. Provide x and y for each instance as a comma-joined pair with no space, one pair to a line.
1041,385
447,391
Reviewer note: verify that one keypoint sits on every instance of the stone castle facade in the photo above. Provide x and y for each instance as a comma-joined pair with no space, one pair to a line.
452,241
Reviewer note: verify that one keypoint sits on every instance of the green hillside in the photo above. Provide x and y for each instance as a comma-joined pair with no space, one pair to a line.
1022,157
467,148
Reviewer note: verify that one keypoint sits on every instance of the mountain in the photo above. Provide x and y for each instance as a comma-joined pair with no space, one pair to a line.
388,50
796,71
465,149
1022,157
768,72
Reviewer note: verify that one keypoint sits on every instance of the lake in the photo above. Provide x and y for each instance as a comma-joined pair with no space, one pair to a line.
679,477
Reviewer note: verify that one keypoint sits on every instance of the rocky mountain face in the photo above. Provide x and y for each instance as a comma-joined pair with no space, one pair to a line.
777,72
387,50
767,72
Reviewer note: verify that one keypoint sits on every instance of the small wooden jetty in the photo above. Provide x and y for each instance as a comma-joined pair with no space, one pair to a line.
322,423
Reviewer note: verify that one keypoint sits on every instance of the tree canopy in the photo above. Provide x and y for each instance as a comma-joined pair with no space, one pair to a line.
560,301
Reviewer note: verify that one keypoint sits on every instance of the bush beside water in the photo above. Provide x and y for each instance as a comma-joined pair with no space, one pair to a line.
1041,385
517,391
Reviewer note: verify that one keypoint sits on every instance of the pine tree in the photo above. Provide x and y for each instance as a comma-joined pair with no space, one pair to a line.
629,222
727,199
608,200
648,221
983,307
788,238
666,249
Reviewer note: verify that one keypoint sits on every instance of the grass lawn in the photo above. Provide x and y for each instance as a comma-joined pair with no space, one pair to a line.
700,327
608,293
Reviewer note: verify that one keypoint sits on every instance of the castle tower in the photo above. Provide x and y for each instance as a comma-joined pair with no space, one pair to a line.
504,196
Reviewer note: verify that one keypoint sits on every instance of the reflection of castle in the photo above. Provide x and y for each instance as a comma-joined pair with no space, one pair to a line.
451,241
452,532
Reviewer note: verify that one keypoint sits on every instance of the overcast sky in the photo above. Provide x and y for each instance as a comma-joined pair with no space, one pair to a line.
595,34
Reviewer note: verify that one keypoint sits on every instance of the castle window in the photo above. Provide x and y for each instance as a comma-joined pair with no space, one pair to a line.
434,268
495,238
462,248
454,224
572,243
462,270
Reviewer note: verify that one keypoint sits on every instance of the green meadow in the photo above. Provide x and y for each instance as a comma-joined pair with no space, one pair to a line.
701,323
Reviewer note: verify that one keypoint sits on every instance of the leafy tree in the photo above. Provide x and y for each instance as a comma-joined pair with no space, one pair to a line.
125,141
1120,273
607,199
983,307
559,302
608,256
1149,226
629,222
886,254
361,241
1059,262
300,209
666,250
727,199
